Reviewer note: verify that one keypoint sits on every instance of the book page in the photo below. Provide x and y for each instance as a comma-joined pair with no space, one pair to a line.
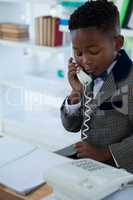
12,149
28,173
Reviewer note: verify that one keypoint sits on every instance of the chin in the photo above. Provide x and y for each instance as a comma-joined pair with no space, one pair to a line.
95,73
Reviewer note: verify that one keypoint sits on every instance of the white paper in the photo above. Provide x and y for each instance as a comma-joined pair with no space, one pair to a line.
28,172
12,149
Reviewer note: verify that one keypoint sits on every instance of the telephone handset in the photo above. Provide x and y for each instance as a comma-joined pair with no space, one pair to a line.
83,77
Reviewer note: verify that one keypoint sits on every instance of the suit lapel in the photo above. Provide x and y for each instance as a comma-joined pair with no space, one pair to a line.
107,90
120,72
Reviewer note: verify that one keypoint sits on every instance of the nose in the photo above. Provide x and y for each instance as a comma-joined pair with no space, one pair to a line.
85,60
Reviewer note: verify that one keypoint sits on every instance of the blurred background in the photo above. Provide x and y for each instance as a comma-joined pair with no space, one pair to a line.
35,46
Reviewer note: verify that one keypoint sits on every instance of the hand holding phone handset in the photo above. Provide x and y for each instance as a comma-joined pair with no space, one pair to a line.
86,80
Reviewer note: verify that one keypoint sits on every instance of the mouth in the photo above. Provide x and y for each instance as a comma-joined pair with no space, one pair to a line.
91,70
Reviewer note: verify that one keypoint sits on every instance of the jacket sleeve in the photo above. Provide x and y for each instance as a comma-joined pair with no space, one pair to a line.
123,151
71,122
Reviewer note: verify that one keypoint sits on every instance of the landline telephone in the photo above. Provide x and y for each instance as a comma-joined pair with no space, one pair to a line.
83,77
87,179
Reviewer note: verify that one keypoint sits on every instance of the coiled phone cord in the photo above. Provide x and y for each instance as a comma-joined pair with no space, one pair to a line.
88,110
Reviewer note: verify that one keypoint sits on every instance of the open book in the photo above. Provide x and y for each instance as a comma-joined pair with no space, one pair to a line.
29,167
26,173
87,179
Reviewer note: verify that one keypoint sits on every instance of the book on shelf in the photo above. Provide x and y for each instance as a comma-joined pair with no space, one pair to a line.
41,30
14,35
12,31
73,179
13,26
57,35
47,31
37,36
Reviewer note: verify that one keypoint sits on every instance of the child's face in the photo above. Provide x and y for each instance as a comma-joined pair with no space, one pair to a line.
94,51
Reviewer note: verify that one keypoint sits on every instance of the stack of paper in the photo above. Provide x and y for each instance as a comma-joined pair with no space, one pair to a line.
12,149
27,173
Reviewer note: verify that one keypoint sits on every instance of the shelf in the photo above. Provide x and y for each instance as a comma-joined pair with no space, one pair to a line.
31,45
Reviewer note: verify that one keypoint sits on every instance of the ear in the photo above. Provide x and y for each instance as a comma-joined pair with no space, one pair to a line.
119,41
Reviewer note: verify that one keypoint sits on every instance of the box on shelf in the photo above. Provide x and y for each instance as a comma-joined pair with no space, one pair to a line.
47,31
11,31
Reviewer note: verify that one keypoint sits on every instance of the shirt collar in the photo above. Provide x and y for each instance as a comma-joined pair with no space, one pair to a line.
111,67
108,72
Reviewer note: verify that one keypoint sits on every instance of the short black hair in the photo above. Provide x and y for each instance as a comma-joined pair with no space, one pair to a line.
101,14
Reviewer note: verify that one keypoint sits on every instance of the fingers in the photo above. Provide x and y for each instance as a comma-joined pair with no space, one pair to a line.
73,67
81,149
72,76
81,152
70,60
80,155
72,70
72,63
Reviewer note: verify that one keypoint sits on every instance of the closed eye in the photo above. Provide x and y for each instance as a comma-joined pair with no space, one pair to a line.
94,52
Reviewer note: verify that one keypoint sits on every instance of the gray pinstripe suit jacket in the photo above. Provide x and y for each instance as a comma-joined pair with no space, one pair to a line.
112,120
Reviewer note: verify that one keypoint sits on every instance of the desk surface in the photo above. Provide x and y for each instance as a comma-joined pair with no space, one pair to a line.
38,194
45,190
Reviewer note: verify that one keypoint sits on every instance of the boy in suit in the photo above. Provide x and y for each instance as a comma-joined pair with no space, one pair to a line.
97,46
